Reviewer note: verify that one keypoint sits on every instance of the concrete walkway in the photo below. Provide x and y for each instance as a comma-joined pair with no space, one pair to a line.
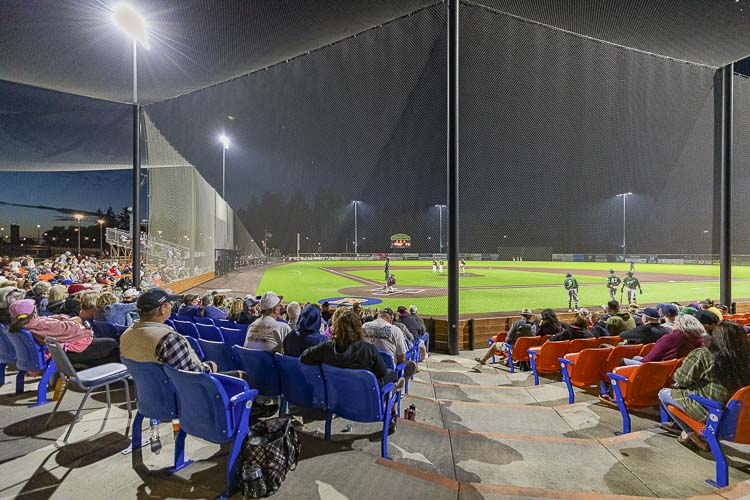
479,433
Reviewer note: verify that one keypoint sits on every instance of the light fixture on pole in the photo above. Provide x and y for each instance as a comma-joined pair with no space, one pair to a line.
38,234
624,197
78,230
224,140
133,24
356,246
440,223
101,236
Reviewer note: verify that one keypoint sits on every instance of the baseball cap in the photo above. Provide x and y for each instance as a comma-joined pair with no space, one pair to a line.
670,310
151,299
413,309
526,312
77,288
707,317
24,307
688,310
388,310
651,313
130,293
269,300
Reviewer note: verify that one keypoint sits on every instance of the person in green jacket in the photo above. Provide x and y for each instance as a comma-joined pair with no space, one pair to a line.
715,372
571,286
613,283
631,284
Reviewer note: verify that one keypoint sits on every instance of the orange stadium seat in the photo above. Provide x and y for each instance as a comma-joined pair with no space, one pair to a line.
500,337
584,369
724,423
546,358
616,355
519,352
613,340
578,345
638,386
646,349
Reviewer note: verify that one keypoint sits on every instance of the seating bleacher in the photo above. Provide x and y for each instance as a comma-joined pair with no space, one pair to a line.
30,356
301,385
202,320
584,369
545,358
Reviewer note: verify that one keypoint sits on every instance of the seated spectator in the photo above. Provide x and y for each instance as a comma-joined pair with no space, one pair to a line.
338,312
292,314
348,349
235,308
266,333
61,303
670,313
634,313
710,306
598,325
249,311
118,313
650,331
326,313
221,303
189,306
524,327
413,323
88,305
686,336
307,333
40,294
78,341
618,322
149,340
9,295
208,310
577,329
408,337
716,372
549,324
389,338
708,319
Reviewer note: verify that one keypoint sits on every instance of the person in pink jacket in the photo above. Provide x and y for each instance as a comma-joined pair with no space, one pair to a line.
78,341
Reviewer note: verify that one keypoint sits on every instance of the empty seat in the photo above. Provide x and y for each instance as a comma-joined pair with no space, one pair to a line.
202,320
7,354
583,369
578,345
30,356
209,332
186,328
301,384
218,352
233,336
611,340
260,366
546,358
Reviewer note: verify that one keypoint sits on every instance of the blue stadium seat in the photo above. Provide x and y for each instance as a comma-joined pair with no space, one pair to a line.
261,369
228,323
120,329
209,332
218,410
7,353
218,352
356,395
30,356
301,384
186,328
399,369
157,399
195,344
233,336
105,330
170,324
202,320
183,317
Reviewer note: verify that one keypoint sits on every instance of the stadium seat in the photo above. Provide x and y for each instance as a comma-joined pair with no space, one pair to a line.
7,353
200,320
500,337
611,340
170,324
228,323
301,385
195,344
261,369
219,412
233,336
724,423
87,380
218,352
356,395
186,328
646,349
181,317
616,355
105,330
209,332
157,400
120,329
30,356
638,386
583,369
390,363
578,345
546,358
518,352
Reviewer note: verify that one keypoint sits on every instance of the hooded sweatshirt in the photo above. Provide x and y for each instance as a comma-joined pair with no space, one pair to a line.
360,355
620,322
307,333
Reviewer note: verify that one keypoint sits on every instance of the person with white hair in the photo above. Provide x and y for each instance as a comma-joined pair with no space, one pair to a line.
40,294
293,310
688,334
9,295
208,310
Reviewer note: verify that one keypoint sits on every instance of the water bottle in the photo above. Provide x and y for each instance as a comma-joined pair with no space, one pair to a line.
412,412
253,485
155,439
175,427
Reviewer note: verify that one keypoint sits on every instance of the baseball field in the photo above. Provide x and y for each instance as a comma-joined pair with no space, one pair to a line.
488,287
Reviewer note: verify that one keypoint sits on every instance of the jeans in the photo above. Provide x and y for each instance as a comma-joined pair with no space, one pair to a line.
635,361
665,398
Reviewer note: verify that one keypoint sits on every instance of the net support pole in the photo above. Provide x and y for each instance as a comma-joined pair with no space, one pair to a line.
136,225
453,209
723,117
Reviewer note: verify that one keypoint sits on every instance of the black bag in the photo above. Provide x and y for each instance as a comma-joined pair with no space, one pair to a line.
270,450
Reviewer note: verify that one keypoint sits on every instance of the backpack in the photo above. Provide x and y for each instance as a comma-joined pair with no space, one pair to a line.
270,450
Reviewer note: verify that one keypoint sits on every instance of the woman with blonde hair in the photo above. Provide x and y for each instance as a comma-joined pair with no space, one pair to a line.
88,305
336,314
235,308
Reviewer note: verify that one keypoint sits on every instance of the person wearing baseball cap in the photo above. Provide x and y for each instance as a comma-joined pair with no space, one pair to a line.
670,312
249,311
650,331
708,319
78,341
267,333
524,327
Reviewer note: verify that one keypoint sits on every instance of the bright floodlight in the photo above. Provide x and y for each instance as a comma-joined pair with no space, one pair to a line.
131,22
225,141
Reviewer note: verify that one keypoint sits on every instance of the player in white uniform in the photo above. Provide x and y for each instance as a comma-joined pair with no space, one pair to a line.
440,266
463,266
434,266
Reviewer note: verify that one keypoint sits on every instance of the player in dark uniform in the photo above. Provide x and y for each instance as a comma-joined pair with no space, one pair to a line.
613,283
463,266
571,285
387,267
631,284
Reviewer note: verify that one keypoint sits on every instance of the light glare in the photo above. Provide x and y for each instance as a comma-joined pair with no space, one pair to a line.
131,22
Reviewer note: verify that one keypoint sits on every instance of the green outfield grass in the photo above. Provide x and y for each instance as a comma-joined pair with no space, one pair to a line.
306,281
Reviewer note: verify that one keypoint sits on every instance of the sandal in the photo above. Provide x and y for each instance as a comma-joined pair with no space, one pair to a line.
479,360
699,442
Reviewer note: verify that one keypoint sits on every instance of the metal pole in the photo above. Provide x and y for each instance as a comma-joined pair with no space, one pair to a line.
79,235
725,239
136,224
453,137
297,246
223,169
101,240
440,221
624,197
356,236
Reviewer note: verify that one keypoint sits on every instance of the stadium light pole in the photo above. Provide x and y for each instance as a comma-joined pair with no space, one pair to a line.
440,223
624,197
224,146
101,236
38,233
132,23
78,229
356,248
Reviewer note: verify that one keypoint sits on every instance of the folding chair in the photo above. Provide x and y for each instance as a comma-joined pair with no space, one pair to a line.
157,400
87,380
30,356
724,423
546,358
301,384
215,408
356,395
7,353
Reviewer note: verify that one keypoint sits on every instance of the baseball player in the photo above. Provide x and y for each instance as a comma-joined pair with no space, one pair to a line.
387,267
632,267
631,283
434,266
613,282
440,266
571,285
463,266
390,284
